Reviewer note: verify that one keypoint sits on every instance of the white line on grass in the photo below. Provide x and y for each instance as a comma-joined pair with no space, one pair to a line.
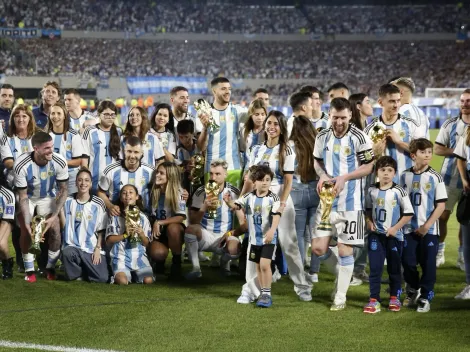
12,344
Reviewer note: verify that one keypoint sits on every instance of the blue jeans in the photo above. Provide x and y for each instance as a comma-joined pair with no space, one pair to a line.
306,200
466,250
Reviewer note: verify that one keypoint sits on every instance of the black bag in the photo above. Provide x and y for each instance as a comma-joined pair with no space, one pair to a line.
463,209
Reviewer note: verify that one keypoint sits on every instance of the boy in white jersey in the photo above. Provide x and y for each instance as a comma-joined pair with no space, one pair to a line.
388,209
206,234
36,175
79,119
343,154
446,142
263,213
428,195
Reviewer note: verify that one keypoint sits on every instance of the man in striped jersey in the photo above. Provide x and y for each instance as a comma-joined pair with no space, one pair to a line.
128,171
447,139
79,119
179,99
343,155
224,143
205,234
36,175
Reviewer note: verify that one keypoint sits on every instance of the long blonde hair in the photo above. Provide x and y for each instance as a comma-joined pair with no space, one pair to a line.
172,191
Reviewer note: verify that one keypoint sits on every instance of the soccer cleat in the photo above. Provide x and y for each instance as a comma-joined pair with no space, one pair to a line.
50,275
423,306
305,296
193,275
394,305
372,307
265,301
312,278
338,306
465,294
440,259
245,298
411,298
7,269
30,277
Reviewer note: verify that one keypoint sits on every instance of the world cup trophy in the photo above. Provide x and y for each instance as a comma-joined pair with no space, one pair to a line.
197,172
38,224
212,190
203,107
327,195
132,220
377,134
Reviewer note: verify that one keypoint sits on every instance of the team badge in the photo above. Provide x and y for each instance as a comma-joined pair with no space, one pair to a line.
427,186
258,209
69,147
232,117
402,133
252,255
416,186
43,175
373,245
51,173
222,118
142,181
336,148
265,157
380,202
394,203
347,150
90,217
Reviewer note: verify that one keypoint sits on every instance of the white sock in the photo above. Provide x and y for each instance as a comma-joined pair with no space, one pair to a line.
28,260
331,261
442,247
52,258
346,267
193,248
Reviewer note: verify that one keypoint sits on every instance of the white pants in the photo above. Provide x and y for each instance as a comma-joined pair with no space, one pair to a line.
290,248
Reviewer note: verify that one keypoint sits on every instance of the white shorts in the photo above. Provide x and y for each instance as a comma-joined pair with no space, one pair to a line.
347,226
211,243
453,196
43,206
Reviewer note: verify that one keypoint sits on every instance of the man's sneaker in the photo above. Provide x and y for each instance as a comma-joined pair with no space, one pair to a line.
440,259
276,276
394,305
265,301
423,306
305,296
312,278
50,274
30,277
460,263
203,257
355,281
465,294
359,278
411,298
193,275
245,298
338,306
372,307
7,270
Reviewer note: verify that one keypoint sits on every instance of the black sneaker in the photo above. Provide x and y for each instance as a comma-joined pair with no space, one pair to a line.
7,269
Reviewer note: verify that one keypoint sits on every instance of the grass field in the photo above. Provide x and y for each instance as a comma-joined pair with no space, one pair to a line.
205,317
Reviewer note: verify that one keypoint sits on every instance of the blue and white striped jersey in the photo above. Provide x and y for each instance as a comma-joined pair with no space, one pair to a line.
40,181
7,204
167,139
183,155
425,191
251,140
151,147
259,213
76,124
450,134
82,222
388,207
418,116
224,220
320,123
164,211
13,147
342,156
462,151
126,255
116,176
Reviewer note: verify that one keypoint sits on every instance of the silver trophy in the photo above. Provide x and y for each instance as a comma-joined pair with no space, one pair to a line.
203,107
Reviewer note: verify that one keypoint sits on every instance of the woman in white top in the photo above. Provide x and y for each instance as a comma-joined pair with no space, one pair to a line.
252,132
163,126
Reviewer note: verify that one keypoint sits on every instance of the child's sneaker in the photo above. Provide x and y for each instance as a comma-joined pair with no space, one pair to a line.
30,277
372,307
423,306
265,301
411,298
394,305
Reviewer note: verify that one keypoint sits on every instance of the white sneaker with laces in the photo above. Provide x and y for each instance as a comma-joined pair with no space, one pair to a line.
440,259
276,276
465,294
423,306
312,278
305,296
245,298
355,281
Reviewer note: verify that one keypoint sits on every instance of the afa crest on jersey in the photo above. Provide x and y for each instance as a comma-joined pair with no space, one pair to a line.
394,203
258,209
427,186
336,148
402,133
373,245
347,150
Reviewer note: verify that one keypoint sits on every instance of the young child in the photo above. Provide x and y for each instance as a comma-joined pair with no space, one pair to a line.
388,209
261,208
428,195
186,150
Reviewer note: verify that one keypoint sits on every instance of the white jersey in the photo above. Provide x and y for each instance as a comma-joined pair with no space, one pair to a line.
320,123
407,130
251,140
76,124
188,116
13,147
96,148
151,147
450,134
183,155
82,222
259,213
261,154
127,255
167,139
418,116
342,156
224,220
40,181
70,148
116,176
7,204
164,211
224,143
425,191
388,207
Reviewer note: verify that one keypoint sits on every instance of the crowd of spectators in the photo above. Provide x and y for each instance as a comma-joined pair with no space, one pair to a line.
147,16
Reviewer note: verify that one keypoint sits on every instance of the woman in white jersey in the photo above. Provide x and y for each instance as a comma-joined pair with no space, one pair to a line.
138,125
281,159
252,132
168,214
67,142
163,126
102,142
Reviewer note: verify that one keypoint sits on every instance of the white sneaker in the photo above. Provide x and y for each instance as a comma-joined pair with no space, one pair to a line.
245,298
423,306
355,281
305,296
203,257
312,278
440,259
461,263
276,276
465,294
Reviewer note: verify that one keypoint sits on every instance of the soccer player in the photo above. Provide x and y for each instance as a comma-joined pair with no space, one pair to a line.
343,155
7,218
361,109
85,223
408,109
168,212
252,132
163,126
129,259
67,142
50,94
138,125
102,142
262,210
7,98
319,118
427,192
388,209
451,132
205,234
79,119
186,149
338,90
36,175
224,143
179,98
128,171
263,95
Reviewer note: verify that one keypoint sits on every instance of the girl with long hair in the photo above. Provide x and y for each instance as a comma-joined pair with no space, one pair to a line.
252,132
163,126
361,109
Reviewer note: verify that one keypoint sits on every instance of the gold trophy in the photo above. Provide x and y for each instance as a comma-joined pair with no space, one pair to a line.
377,134
327,195
132,220
212,190
38,224
203,107
197,172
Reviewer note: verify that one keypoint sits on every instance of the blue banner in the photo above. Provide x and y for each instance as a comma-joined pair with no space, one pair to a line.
51,33
20,32
162,85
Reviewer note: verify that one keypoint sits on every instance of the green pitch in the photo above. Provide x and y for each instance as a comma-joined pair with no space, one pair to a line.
205,317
